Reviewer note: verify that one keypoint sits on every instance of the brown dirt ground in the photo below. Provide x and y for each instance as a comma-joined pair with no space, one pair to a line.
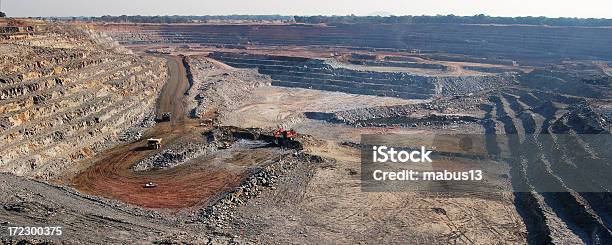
110,174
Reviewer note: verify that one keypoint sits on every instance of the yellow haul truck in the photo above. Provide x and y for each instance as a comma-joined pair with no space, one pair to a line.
153,143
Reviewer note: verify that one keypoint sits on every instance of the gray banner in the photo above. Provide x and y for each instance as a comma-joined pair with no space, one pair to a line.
486,163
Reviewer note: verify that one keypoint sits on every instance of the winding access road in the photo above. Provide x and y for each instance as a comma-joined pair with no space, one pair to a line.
109,173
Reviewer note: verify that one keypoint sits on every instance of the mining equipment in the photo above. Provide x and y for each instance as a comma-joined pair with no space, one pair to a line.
149,185
153,143
281,136
166,116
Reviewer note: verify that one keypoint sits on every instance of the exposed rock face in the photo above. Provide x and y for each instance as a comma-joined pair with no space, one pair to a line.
497,42
583,119
464,85
217,90
66,93
584,79
316,74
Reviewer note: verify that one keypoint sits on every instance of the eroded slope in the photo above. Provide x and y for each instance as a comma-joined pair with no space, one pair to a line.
65,94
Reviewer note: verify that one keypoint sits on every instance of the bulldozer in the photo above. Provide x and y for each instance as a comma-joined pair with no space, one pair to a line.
282,136
153,143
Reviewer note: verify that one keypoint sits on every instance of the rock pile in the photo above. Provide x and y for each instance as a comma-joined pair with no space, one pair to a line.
260,180
217,90
177,154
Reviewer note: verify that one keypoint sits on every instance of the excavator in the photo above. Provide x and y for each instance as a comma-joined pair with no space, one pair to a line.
281,136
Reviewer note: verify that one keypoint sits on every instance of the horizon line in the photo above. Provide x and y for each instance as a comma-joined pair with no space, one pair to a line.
321,15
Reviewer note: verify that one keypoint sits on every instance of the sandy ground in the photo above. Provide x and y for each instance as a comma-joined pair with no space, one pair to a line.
330,207
270,106
327,205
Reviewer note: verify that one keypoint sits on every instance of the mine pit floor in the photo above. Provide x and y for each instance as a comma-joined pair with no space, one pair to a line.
195,183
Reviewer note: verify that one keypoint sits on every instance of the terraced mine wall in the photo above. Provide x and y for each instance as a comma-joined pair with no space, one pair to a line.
60,104
397,64
316,74
526,44
467,58
585,80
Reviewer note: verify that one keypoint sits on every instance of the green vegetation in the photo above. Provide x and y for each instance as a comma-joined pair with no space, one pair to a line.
352,19
184,19
453,19
2,15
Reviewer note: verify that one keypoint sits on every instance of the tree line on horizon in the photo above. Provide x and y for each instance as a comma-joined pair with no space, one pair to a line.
454,19
182,19
352,19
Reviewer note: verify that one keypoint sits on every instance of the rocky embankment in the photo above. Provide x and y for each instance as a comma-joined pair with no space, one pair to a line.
583,79
450,110
317,74
174,156
217,89
65,94
493,42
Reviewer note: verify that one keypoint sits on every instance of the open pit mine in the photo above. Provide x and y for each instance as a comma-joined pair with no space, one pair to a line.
249,133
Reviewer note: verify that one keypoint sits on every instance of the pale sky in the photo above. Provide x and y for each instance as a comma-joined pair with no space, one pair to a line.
549,8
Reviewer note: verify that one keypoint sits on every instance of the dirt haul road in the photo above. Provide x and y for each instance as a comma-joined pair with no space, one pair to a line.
110,176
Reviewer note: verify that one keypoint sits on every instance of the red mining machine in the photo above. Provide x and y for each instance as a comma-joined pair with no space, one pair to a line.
282,136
